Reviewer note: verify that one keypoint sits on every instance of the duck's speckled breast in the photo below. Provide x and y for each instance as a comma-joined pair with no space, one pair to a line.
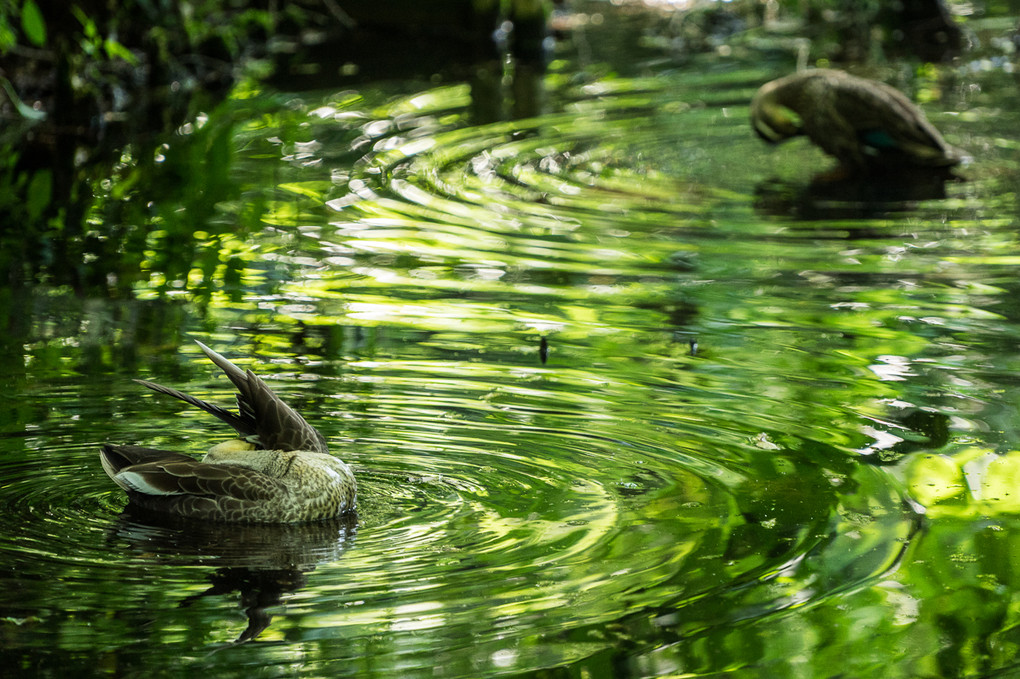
320,485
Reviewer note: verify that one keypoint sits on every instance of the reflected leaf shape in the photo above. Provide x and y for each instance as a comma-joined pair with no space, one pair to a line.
315,190
1000,483
933,479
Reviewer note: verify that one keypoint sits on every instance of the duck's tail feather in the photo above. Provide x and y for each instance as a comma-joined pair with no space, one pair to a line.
236,375
241,425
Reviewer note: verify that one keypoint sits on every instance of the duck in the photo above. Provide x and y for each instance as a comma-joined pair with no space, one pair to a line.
867,125
278,469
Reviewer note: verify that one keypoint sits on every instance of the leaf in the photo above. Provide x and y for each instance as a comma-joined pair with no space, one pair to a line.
7,37
40,193
116,50
32,23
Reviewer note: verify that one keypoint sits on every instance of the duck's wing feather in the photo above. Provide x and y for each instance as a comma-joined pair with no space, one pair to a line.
888,121
163,473
115,458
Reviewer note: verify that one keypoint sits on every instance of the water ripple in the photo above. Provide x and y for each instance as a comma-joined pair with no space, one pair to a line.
503,499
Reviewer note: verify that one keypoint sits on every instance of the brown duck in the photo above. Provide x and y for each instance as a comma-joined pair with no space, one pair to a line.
867,125
279,470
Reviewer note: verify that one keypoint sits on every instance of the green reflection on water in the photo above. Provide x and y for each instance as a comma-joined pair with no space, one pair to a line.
754,504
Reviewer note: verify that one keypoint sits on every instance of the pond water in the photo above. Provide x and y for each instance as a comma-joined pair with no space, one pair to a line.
626,394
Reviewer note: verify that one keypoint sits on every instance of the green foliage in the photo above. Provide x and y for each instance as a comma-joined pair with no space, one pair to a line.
96,45
33,23
39,194
115,50
8,25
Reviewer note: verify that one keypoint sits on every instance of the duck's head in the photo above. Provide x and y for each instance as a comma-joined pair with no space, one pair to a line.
772,121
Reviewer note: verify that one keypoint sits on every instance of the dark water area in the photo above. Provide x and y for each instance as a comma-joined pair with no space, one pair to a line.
627,393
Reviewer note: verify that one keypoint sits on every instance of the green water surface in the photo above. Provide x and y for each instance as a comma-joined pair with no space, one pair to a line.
774,434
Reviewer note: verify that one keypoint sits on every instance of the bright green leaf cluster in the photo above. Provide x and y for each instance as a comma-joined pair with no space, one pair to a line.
33,24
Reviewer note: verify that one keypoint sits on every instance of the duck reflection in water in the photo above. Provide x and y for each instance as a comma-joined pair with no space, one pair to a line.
886,148
263,563
849,198
278,470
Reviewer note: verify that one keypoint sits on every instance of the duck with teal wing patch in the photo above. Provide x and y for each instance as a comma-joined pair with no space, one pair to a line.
278,470
868,126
